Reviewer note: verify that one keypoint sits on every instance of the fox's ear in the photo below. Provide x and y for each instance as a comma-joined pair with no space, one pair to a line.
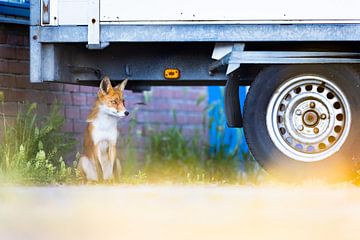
105,85
122,85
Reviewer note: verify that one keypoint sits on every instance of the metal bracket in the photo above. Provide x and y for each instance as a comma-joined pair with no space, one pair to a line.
94,26
232,55
101,45
223,52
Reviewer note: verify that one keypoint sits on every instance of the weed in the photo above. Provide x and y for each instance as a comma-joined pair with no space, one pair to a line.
170,156
33,147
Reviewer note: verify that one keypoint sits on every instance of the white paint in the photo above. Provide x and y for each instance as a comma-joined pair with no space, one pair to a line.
198,11
54,20
93,22
228,10
72,12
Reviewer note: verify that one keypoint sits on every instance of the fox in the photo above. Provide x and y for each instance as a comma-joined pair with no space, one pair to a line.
98,160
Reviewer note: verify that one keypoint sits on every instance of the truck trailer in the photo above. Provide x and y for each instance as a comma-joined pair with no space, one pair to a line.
300,59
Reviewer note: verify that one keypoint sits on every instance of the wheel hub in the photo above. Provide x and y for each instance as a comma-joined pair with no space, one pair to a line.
308,118
311,118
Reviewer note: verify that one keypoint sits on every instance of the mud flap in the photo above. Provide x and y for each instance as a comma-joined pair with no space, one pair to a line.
232,104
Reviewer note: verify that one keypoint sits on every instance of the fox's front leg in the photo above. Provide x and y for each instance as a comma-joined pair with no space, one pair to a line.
98,163
108,170
106,160
87,169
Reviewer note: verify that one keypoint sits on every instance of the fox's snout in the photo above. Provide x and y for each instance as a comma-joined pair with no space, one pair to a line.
122,113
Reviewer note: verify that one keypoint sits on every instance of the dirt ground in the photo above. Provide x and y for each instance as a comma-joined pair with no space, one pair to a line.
180,212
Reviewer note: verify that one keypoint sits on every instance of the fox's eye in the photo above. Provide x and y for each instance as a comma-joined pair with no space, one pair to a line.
113,102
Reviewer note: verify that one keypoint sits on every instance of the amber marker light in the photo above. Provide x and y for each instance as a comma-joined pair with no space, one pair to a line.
172,73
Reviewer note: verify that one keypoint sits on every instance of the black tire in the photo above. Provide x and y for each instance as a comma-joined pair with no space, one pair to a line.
339,166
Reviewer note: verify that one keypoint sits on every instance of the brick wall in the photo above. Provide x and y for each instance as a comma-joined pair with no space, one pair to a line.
161,102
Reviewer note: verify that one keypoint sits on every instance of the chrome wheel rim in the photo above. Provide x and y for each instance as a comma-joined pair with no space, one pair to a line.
308,118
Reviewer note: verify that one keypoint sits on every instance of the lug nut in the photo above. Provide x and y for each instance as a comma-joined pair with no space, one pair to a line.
301,127
298,112
312,104
316,130
323,116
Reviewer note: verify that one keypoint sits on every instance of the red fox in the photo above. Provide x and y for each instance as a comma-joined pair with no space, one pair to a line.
99,152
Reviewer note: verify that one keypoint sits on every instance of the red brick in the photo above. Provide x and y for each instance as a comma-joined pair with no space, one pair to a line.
195,119
72,112
9,108
14,96
79,99
79,137
43,109
178,93
71,88
79,126
26,40
62,110
15,39
3,36
34,96
86,89
162,92
23,53
90,100
95,90
191,131
7,80
64,98
48,97
12,39
68,125
19,67
22,82
4,67
55,86
160,118
156,92
84,112
7,52
38,86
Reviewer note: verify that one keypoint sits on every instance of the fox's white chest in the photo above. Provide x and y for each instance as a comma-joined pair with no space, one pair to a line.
104,129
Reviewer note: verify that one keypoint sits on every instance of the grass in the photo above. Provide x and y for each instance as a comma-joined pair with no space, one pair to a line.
171,157
33,147
33,150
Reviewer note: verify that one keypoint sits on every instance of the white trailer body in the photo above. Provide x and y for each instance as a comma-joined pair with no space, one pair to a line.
300,58
68,12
